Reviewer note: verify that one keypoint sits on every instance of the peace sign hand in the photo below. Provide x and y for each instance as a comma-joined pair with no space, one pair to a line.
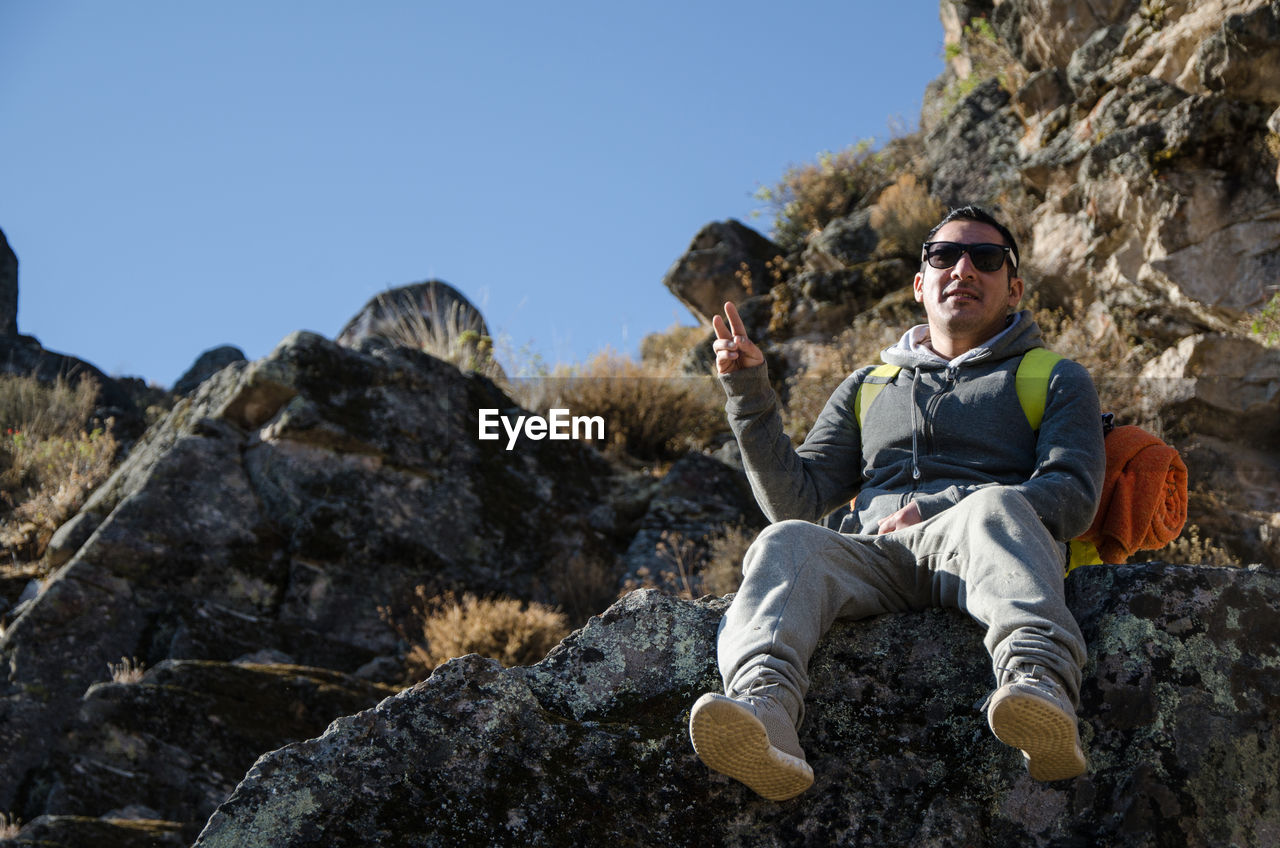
734,351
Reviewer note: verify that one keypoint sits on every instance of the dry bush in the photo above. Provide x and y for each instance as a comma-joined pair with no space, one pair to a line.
509,631
9,826
48,464
1189,548
41,411
723,572
128,670
903,215
810,196
650,413
669,348
453,334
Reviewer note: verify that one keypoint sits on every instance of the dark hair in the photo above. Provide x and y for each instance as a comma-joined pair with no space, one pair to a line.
970,212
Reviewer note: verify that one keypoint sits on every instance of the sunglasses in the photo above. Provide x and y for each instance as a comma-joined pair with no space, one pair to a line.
985,256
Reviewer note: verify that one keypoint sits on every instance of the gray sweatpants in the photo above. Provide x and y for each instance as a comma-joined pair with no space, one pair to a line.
989,555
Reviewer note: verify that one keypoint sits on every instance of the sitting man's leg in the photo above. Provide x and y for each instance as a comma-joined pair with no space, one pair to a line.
993,557
798,578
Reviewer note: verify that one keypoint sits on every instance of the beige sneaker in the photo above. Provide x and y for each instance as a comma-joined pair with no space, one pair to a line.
1031,711
753,740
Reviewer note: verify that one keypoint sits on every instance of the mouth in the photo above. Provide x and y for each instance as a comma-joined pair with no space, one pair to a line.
962,296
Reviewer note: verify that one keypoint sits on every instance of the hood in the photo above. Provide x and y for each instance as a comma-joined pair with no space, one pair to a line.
1020,335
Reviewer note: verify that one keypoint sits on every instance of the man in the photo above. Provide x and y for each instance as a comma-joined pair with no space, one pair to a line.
959,503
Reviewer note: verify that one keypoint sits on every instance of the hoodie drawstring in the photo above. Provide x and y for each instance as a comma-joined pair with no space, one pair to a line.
915,428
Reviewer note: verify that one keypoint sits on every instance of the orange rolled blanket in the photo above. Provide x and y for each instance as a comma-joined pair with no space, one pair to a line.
1144,496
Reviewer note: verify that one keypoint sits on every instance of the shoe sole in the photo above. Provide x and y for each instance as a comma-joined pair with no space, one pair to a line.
732,741
1046,735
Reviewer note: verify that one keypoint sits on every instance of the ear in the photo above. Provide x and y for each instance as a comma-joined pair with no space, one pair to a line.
918,287
1015,291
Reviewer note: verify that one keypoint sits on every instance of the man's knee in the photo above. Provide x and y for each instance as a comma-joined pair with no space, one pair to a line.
784,540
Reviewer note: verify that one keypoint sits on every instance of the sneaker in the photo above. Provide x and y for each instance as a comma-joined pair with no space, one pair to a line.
753,740
1031,711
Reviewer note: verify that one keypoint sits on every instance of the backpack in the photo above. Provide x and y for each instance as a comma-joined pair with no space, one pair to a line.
1031,382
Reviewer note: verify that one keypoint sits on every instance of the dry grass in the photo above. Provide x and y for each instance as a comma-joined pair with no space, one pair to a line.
723,572
810,196
128,670
1189,548
41,411
650,412
454,334
48,463
9,826
446,626
903,215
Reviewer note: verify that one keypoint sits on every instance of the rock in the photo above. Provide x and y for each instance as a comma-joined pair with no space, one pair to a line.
69,538
1223,386
206,365
698,498
1085,71
715,268
971,155
411,315
1243,56
281,507
8,288
590,746
181,735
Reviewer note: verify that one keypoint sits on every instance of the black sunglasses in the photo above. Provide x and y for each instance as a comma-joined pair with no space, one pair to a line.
986,256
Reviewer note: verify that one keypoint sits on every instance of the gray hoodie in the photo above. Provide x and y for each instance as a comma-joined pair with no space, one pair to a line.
938,432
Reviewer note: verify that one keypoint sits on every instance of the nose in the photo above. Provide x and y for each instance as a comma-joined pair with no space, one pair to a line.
964,269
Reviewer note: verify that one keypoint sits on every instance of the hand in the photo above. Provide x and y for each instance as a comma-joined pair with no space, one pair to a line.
734,351
903,518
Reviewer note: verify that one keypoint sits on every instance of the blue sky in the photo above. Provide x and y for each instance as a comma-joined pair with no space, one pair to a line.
176,176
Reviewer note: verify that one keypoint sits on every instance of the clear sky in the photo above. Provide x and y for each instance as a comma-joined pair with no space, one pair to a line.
180,175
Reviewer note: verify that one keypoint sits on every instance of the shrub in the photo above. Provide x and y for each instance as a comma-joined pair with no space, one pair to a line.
507,630
45,481
903,215
128,670
48,463
810,196
41,411
650,412
584,586
9,826
451,334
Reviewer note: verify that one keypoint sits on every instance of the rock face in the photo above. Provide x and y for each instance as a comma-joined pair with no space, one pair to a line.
726,260
590,747
242,553
206,365
8,288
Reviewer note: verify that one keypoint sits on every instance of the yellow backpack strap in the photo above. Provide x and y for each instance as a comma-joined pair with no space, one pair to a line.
1082,552
880,376
1032,383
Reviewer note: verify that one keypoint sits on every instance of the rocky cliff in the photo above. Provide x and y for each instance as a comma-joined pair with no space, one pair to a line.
590,746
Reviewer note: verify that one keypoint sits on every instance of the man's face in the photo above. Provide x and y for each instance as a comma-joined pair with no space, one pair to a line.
965,306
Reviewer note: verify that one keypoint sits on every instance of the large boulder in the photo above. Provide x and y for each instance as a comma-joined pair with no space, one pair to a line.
290,505
590,746
726,260
8,288
206,365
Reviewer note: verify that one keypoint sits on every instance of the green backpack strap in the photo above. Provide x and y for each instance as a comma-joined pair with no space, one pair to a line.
880,376
1032,383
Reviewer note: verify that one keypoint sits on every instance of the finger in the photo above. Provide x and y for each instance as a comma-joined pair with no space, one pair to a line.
735,320
722,332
